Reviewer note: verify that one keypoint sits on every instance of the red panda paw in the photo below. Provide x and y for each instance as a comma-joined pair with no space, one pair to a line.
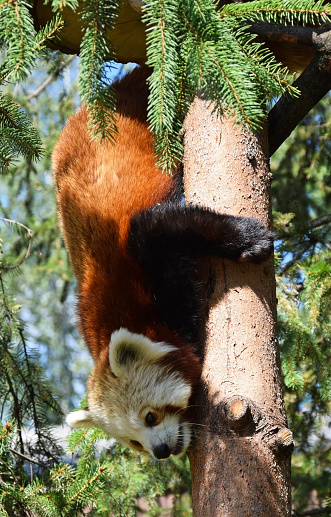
258,242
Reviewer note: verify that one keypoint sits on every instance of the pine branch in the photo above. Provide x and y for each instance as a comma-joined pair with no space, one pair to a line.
49,480
48,33
28,458
218,57
29,236
296,258
320,221
87,485
17,413
284,12
99,18
163,57
23,45
18,136
29,397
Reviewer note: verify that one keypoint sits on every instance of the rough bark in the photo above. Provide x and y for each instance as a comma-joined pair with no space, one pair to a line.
240,460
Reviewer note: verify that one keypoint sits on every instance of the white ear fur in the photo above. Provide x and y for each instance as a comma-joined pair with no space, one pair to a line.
80,418
127,348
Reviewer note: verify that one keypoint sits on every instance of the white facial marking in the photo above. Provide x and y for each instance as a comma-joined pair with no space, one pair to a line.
119,405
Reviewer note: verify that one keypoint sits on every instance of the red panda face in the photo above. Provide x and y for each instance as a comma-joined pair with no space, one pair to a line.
137,398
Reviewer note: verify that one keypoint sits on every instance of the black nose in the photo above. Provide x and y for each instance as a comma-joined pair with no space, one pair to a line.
161,451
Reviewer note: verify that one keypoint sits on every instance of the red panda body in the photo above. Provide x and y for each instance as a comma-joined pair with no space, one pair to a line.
133,246
100,188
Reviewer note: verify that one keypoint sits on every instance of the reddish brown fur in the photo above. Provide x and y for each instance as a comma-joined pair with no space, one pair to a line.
99,188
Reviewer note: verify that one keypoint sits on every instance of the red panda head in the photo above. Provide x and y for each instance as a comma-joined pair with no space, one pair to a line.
139,393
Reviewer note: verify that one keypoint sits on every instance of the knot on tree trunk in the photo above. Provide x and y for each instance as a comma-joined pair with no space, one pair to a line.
282,441
245,419
237,413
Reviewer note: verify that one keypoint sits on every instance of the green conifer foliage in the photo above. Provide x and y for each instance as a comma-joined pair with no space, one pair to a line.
110,483
20,45
302,199
98,17
18,136
190,47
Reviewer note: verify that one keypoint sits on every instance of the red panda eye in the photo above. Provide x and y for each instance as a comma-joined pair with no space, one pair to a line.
135,443
150,419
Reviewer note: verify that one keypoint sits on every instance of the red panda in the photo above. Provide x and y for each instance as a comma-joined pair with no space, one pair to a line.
133,245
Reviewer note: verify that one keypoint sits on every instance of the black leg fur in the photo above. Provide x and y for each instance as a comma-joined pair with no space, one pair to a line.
167,239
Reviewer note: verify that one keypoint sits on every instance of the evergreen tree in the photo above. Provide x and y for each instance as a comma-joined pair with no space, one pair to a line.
189,46
301,191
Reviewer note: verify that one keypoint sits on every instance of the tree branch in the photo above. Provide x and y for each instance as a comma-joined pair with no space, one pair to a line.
292,34
50,78
316,511
28,458
320,221
313,83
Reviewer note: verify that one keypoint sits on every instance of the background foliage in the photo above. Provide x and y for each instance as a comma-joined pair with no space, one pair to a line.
302,202
43,365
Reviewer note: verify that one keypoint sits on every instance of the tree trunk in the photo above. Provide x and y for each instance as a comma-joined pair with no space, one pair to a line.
240,460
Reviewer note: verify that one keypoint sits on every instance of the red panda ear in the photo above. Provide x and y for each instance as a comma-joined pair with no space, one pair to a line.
80,418
126,349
